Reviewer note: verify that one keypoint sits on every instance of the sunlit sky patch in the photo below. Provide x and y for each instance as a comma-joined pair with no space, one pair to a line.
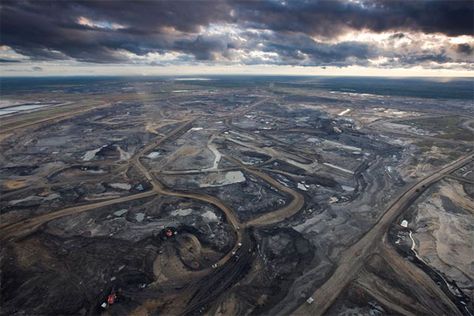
99,24
372,37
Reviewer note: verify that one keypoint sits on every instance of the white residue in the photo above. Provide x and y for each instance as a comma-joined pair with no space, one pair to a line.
234,177
35,198
121,186
217,155
347,188
153,155
338,168
140,217
196,129
183,212
93,171
120,212
301,186
344,112
340,145
89,155
333,199
52,197
210,216
219,179
192,79
413,245
124,155
404,223
312,140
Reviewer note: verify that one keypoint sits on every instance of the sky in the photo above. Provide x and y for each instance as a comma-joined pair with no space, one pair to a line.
300,37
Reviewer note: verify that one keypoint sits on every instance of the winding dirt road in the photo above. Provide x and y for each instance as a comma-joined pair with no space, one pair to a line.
353,259
351,262
280,214
28,226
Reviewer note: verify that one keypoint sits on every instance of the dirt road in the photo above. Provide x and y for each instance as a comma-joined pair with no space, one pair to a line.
26,227
353,259
280,214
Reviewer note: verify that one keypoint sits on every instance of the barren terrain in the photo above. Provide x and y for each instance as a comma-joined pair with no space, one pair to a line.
235,198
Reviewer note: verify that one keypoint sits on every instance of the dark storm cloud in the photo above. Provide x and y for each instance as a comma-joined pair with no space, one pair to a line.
328,18
202,48
397,36
50,30
464,49
6,61
303,50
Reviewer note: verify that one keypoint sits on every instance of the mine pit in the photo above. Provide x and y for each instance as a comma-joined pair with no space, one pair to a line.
276,197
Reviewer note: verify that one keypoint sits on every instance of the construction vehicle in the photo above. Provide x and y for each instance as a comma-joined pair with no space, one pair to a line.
168,232
110,300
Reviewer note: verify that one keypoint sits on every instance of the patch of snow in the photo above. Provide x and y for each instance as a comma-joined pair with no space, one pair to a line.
404,223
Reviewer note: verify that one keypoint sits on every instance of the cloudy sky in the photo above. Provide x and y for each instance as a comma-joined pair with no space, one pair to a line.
373,37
